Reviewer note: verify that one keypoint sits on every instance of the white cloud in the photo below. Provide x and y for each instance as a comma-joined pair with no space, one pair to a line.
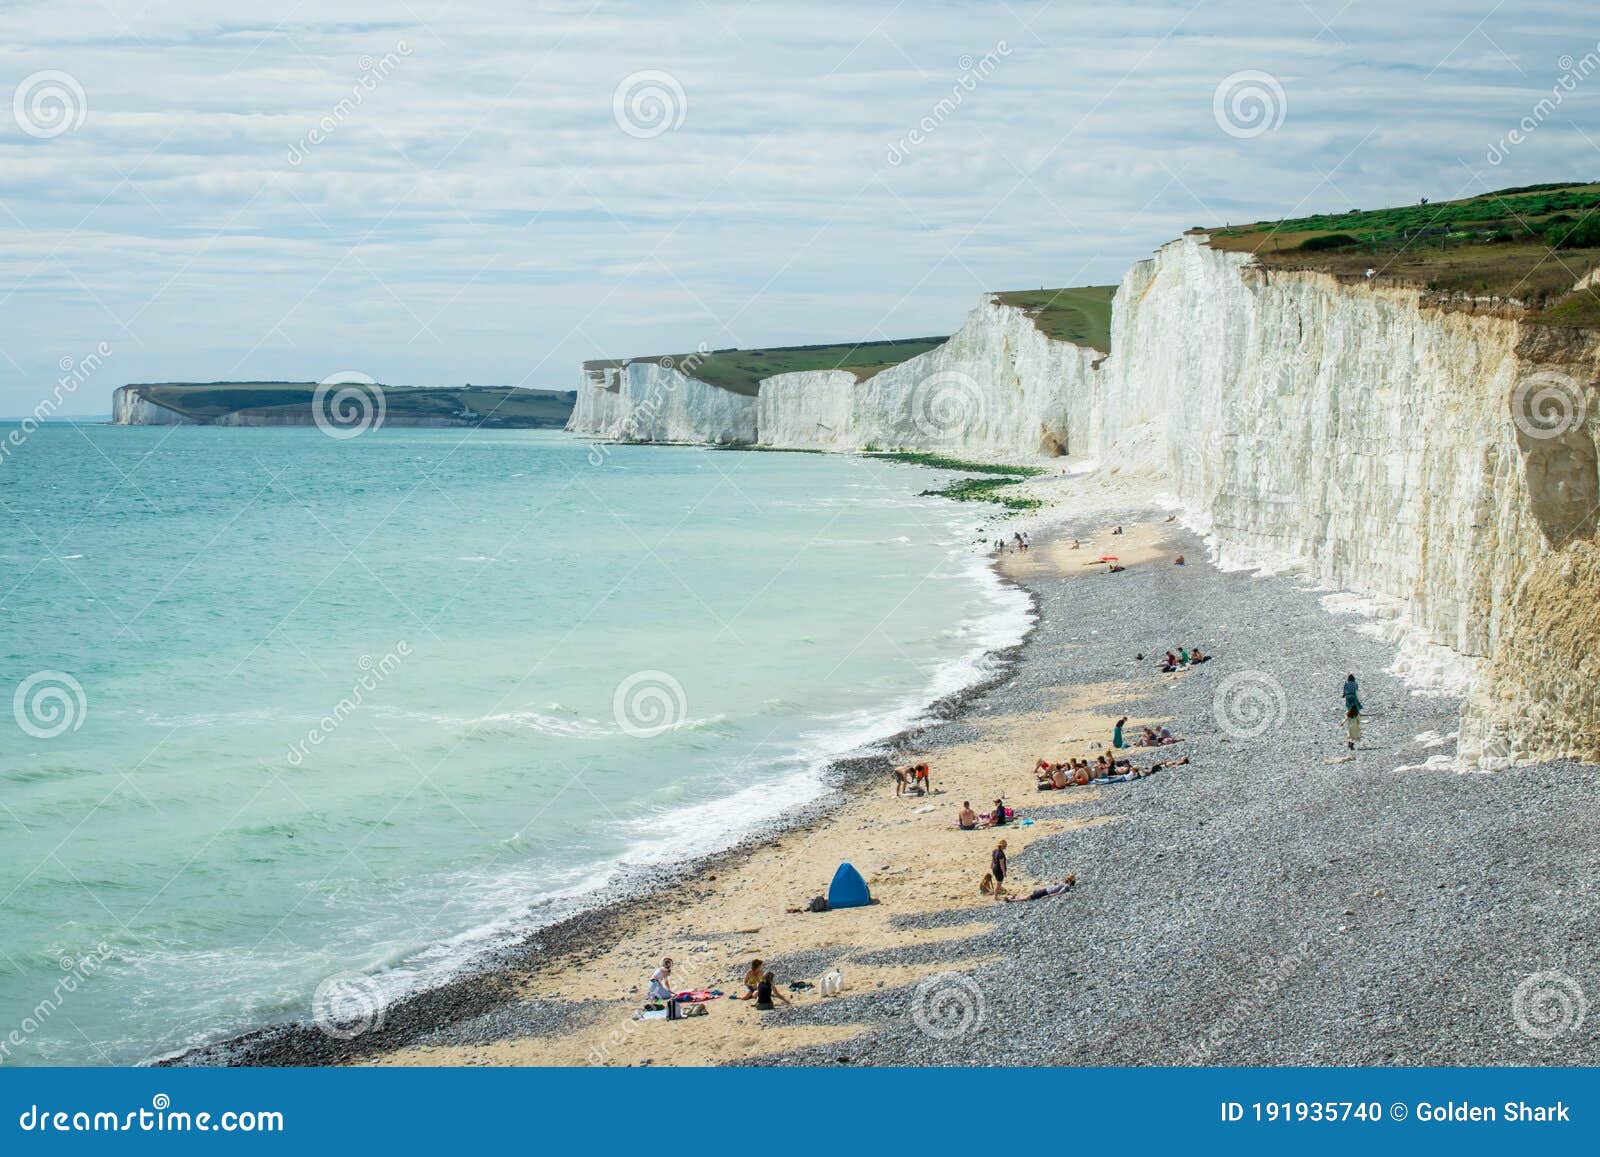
473,211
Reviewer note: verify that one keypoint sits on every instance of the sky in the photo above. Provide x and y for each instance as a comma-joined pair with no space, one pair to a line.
436,193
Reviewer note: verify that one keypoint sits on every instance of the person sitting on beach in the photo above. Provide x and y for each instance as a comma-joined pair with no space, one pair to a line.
752,981
1118,530
966,818
1183,657
661,981
1169,664
1164,737
986,885
1045,893
1058,777
997,817
767,992
1075,544
1178,561
1148,739
1196,657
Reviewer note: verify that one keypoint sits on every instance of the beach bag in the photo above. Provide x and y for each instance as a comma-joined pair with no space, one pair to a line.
674,1011
818,904
695,1010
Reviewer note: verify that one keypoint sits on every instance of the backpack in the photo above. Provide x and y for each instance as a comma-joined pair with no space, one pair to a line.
818,904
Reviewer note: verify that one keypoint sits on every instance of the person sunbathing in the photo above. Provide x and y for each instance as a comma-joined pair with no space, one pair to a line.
767,992
1196,657
752,981
1149,738
1062,888
966,818
997,818
1164,737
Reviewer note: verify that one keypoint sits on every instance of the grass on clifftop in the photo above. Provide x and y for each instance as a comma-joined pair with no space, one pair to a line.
1530,243
741,371
1081,315
988,489
491,405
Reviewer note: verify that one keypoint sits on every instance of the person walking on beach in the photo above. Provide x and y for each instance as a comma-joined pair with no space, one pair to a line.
1116,733
1352,694
997,868
1352,727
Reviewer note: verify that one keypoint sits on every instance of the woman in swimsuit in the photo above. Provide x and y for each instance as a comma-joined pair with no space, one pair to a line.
660,981
752,981
767,992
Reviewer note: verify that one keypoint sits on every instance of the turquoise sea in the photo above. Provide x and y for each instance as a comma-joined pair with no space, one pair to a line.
296,718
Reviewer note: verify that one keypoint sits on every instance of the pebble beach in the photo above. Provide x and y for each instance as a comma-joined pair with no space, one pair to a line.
1278,900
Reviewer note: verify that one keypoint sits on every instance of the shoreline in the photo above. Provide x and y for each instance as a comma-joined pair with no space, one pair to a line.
1278,901
480,984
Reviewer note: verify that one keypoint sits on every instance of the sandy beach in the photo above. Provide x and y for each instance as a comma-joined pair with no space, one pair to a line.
1278,900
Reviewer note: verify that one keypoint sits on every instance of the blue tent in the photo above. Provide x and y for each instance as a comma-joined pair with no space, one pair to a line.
848,889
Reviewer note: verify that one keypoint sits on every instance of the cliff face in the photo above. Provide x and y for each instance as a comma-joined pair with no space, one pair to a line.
647,402
1439,461
129,407
1435,459
998,387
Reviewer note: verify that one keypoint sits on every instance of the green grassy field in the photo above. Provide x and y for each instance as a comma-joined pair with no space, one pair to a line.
504,406
1081,315
741,371
1531,243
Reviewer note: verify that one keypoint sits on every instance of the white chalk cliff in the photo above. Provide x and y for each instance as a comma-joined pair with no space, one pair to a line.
1439,458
